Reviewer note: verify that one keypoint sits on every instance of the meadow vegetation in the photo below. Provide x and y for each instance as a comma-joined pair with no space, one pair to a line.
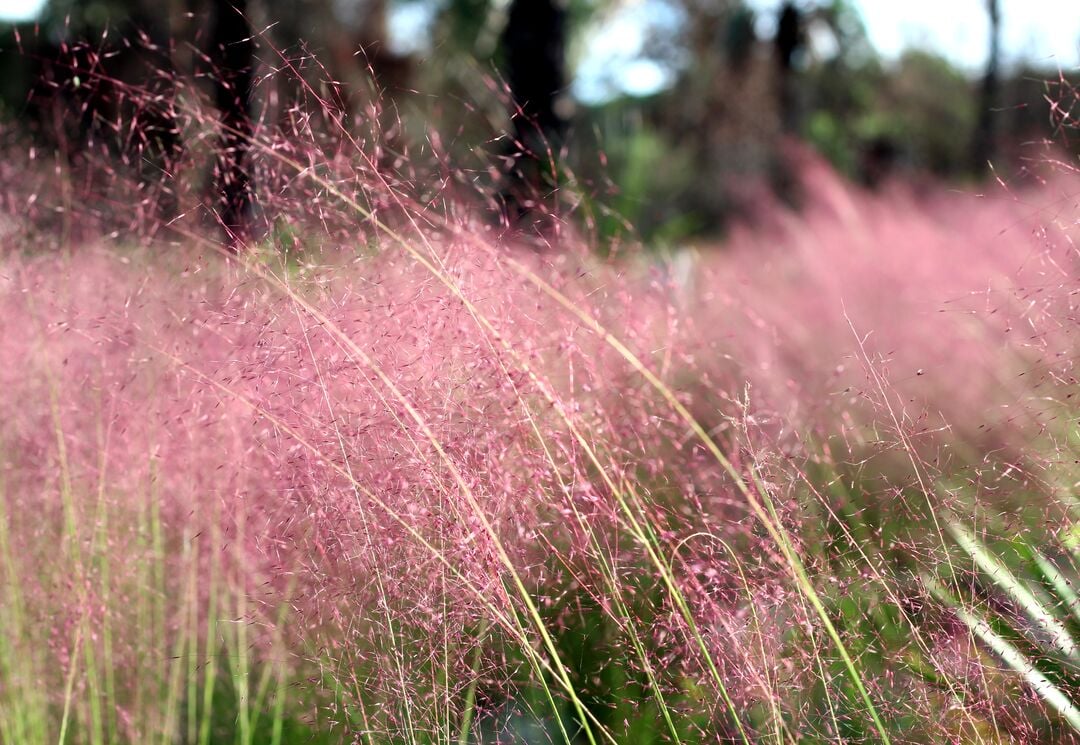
395,475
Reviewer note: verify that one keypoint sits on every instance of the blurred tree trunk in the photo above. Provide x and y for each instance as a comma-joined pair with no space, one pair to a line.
161,146
232,50
354,34
372,77
534,49
984,142
789,40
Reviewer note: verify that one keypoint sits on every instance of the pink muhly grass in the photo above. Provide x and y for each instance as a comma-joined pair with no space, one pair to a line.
391,475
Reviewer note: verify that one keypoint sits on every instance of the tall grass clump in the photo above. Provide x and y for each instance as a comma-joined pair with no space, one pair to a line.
389,474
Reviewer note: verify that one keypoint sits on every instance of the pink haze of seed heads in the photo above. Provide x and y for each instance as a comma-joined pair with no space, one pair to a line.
385,481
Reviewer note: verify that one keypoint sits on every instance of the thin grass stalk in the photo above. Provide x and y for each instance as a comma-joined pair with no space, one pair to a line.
1007,582
1050,693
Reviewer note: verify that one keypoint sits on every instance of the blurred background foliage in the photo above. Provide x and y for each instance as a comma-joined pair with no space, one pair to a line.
686,128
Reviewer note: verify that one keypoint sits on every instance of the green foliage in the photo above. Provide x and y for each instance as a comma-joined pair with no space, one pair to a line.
922,112
650,178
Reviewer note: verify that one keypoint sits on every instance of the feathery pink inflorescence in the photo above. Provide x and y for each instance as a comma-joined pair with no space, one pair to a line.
407,461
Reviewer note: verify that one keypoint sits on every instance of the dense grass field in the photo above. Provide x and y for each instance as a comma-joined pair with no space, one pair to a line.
387,477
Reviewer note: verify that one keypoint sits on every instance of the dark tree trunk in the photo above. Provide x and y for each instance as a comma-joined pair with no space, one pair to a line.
232,51
983,144
534,48
789,40
161,146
